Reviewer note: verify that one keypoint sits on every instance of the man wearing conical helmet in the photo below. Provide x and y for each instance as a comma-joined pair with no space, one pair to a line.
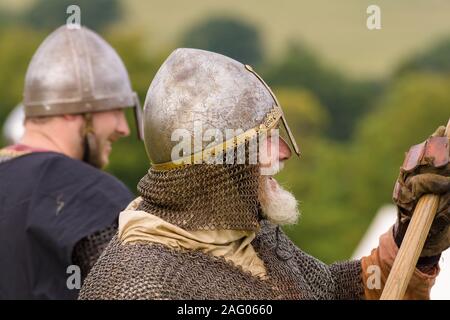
58,210
207,222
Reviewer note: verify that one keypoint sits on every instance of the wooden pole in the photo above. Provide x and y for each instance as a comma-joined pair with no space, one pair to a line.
412,245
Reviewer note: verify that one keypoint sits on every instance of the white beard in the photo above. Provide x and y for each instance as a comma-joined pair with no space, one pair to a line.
278,205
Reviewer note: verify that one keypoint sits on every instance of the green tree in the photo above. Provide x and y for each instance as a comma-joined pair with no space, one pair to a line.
435,60
413,107
341,186
327,228
229,36
7,18
15,55
304,113
346,100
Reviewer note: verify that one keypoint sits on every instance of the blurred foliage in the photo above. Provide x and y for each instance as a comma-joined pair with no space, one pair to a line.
413,107
305,115
229,36
7,18
50,14
341,186
352,133
15,54
346,100
435,60
327,228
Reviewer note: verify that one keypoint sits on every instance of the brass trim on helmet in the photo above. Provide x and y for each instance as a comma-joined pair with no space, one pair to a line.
283,118
269,122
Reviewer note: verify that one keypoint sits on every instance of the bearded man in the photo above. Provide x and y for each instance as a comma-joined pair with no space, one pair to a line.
57,209
205,229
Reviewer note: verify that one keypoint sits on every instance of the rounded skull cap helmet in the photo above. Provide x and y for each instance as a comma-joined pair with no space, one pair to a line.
197,86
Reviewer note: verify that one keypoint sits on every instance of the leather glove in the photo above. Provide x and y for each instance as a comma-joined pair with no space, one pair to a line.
426,169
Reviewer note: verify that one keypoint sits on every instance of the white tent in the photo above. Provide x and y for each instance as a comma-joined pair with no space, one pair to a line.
383,220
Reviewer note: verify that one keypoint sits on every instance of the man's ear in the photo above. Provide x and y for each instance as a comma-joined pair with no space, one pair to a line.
73,120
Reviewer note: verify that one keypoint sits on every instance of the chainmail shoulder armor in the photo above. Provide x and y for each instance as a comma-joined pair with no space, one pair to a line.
145,270
340,280
88,250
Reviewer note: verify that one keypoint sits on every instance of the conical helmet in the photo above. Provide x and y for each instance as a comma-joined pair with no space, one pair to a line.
196,87
76,71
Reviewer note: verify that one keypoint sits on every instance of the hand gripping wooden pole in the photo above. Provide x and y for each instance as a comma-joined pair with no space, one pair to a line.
412,245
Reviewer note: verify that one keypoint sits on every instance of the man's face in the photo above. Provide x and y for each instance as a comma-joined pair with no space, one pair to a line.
278,205
108,127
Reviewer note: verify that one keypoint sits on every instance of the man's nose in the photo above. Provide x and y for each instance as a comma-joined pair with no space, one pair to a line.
284,152
122,128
